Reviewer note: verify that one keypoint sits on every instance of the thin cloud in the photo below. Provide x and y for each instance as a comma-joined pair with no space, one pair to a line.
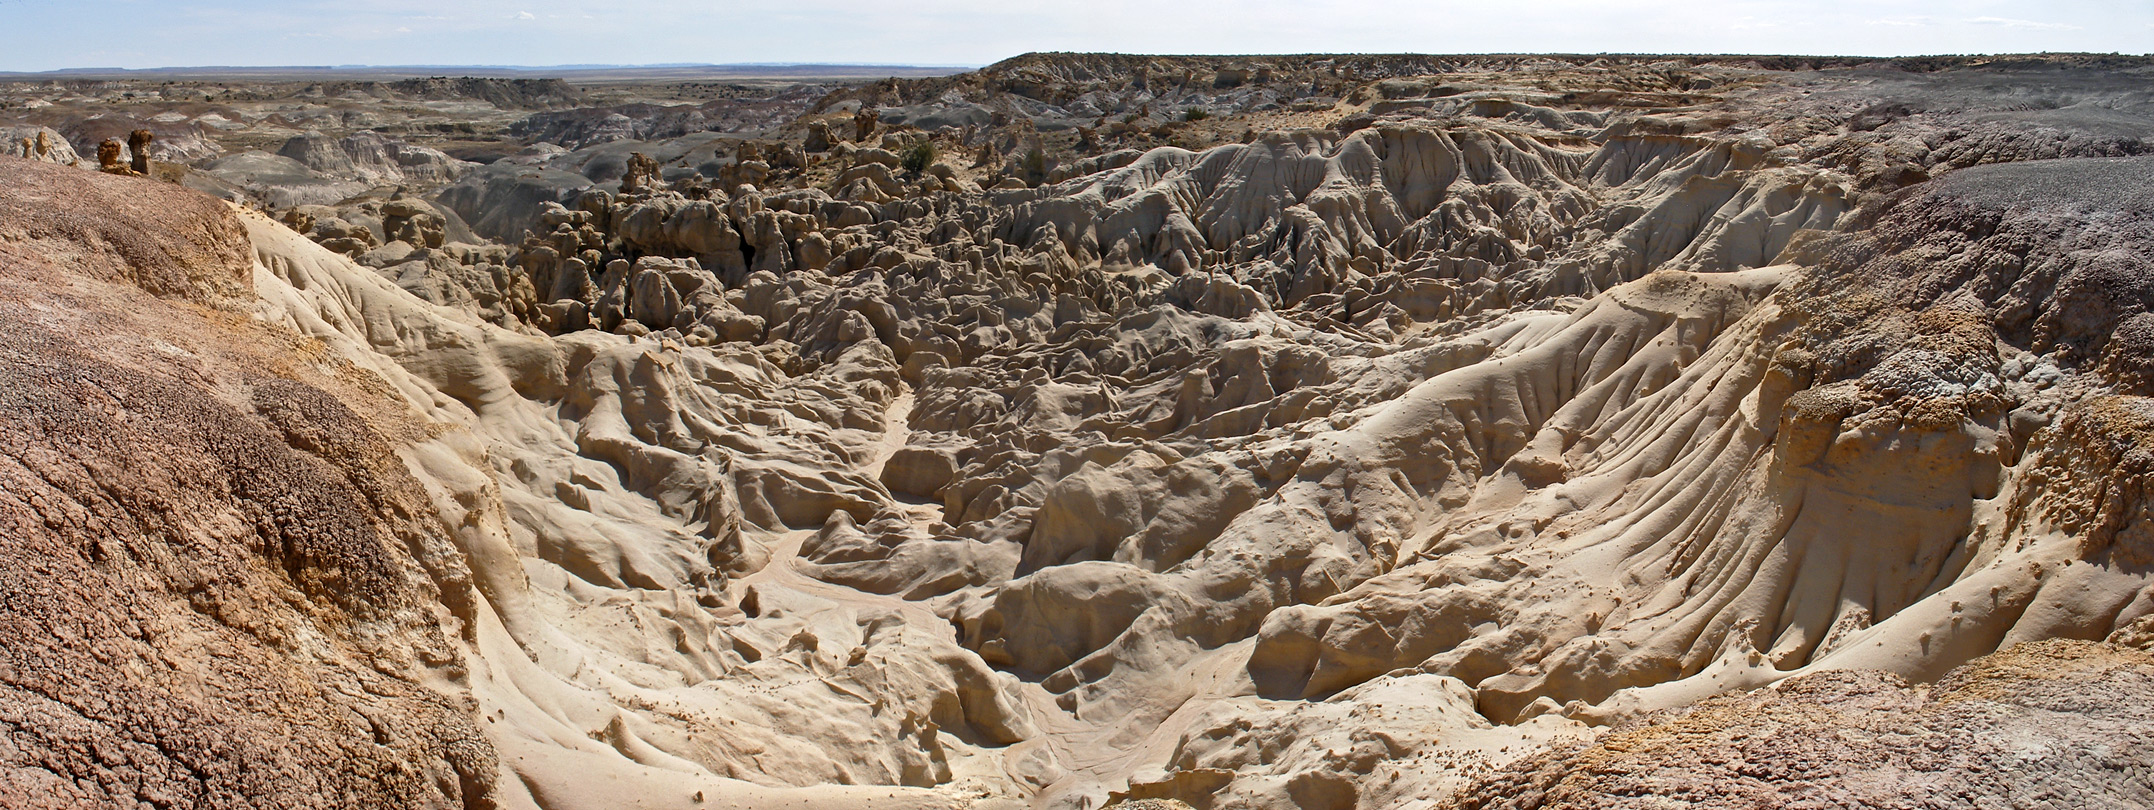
2032,25
1905,22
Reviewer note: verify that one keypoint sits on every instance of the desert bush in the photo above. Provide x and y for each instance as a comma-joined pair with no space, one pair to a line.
918,157
1035,166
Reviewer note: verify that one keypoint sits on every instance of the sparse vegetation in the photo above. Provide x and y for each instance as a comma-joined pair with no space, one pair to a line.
1035,166
918,157
1195,114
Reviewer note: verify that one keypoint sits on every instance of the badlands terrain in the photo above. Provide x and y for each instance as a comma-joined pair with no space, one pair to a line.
1332,432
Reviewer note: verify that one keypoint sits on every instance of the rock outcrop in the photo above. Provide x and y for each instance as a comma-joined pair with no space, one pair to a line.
225,588
2053,722
108,158
281,182
369,158
40,144
138,151
1235,432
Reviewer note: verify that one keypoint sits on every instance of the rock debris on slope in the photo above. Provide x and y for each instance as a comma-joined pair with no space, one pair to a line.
1400,431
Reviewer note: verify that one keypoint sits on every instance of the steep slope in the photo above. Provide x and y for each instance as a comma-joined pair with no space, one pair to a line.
2052,722
592,535
1334,468
223,587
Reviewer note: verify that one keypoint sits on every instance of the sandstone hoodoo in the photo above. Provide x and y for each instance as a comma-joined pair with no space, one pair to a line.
1085,430
138,150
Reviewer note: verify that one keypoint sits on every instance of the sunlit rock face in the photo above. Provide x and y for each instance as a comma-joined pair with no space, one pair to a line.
1311,432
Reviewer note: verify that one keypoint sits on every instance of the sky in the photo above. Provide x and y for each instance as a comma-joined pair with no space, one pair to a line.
47,35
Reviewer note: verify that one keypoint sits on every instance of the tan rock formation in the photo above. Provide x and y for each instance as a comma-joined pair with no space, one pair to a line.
108,158
2020,727
818,139
138,151
248,598
864,122
413,222
642,175
1493,431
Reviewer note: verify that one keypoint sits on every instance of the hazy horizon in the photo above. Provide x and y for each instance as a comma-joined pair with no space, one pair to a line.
132,34
483,66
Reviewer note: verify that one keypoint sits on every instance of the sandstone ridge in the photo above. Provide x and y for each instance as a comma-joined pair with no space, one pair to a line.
1390,432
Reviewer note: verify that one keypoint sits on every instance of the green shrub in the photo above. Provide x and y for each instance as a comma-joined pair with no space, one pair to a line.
1035,166
1195,114
918,157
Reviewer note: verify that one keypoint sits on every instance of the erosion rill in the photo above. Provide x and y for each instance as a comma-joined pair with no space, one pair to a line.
1231,432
